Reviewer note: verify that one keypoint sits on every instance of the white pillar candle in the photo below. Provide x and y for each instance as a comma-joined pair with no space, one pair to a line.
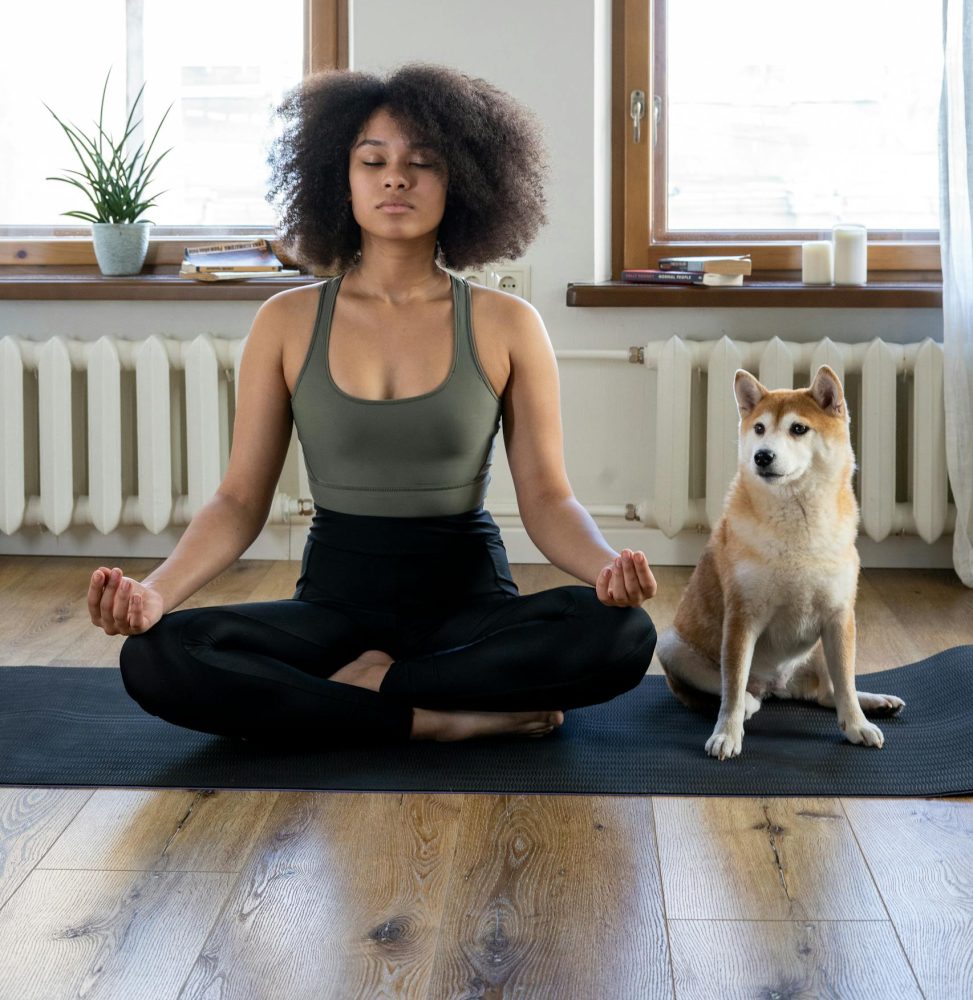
816,263
850,254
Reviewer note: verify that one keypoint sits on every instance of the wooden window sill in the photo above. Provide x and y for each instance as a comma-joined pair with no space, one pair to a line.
885,290
153,284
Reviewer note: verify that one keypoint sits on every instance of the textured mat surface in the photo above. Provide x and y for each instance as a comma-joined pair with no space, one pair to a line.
76,726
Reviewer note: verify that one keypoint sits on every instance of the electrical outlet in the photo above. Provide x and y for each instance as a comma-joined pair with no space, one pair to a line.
473,276
513,279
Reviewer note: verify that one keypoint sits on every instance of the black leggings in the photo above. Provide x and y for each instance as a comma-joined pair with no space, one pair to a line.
435,593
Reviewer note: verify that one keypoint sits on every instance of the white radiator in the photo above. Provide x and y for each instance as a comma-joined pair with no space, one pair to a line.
895,394
116,432
153,461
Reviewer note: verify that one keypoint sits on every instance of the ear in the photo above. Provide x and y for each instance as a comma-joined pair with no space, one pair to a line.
826,392
748,391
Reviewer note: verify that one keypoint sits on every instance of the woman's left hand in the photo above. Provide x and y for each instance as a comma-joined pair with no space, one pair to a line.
626,582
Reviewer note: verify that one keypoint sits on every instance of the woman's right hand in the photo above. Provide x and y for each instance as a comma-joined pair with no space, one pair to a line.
121,605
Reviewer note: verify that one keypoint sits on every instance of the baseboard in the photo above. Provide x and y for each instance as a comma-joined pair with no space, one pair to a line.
281,541
131,542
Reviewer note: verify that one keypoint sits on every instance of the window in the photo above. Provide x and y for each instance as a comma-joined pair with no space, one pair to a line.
222,67
761,131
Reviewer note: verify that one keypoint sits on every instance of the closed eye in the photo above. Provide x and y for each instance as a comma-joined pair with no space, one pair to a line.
378,163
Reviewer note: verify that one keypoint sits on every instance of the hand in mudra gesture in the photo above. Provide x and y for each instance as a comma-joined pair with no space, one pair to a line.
121,605
626,582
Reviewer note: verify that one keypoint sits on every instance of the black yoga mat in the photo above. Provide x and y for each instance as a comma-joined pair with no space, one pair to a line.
76,726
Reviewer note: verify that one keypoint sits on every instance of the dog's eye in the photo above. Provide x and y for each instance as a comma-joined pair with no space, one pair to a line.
799,429
758,429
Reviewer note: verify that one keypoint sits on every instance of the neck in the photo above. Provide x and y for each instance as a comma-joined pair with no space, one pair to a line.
397,272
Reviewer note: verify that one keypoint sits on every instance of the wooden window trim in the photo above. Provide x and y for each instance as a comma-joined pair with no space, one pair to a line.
634,214
325,47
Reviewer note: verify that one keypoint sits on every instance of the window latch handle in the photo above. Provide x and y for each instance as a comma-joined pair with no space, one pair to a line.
637,113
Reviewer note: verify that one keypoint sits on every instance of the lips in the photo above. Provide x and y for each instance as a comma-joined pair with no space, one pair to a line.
394,206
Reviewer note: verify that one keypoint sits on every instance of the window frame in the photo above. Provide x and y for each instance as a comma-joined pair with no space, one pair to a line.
638,177
325,45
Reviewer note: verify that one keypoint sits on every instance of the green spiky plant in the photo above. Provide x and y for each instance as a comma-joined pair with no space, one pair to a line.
115,187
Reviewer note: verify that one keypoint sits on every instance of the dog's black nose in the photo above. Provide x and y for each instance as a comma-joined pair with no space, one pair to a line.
763,458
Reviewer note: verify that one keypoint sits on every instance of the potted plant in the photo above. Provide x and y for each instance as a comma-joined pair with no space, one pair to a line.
115,184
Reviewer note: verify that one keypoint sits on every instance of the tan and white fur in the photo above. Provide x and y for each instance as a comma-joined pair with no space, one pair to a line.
770,607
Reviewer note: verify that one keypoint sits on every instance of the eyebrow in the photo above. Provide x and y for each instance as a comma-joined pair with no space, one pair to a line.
379,142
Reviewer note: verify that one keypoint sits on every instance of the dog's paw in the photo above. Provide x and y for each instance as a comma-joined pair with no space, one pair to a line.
880,704
863,733
751,705
725,742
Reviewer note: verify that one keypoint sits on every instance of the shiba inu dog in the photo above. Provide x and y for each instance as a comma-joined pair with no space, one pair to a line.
770,607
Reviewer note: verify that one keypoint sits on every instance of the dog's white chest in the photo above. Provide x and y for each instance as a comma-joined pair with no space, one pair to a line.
788,605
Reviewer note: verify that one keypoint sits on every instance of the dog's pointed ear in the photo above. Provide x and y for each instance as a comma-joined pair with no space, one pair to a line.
827,393
748,391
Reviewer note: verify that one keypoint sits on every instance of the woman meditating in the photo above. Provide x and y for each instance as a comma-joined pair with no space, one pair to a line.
405,622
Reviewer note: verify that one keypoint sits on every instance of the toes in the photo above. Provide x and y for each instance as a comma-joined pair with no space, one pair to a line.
880,704
546,731
864,735
724,745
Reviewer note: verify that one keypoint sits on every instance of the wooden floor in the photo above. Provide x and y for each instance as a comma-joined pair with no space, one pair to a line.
156,894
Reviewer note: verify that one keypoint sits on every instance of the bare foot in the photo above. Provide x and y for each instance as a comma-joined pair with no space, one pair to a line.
447,726
367,671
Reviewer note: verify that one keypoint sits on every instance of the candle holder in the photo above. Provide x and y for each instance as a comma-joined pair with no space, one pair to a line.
817,263
850,254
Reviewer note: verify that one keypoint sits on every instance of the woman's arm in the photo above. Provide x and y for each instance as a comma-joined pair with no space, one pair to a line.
224,527
557,524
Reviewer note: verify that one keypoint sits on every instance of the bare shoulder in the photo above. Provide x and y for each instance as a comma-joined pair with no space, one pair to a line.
292,304
507,323
284,324
506,329
503,310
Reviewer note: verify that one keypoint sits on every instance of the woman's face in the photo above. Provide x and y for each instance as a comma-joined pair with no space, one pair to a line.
398,190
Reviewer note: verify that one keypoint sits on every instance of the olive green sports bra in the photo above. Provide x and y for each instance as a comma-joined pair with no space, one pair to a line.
415,457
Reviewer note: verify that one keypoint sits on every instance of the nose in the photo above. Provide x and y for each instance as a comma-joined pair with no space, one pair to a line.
395,177
763,458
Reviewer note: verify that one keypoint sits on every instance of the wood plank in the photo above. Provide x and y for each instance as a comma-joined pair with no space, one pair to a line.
921,856
932,605
757,293
105,935
553,897
883,642
163,830
352,885
789,960
279,583
31,820
61,282
762,859
47,611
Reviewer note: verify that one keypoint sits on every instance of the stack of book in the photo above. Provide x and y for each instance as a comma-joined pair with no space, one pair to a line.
693,271
233,261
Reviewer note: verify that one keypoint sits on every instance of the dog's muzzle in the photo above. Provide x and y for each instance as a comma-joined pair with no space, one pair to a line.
764,461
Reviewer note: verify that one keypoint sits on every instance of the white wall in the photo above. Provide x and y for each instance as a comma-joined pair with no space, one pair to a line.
554,55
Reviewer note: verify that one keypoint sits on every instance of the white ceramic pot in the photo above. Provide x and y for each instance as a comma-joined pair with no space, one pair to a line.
120,247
